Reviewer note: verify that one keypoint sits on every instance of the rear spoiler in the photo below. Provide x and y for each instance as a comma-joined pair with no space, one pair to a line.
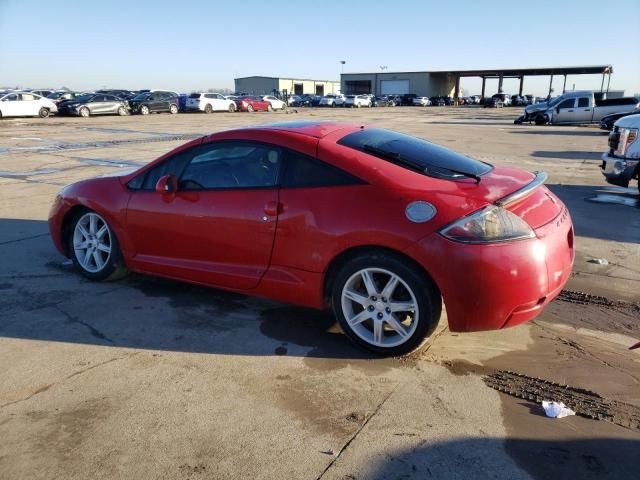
538,179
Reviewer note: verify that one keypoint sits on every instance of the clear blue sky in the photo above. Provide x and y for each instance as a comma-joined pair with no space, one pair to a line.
199,44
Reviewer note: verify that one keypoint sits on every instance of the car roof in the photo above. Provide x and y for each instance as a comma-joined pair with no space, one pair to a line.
316,129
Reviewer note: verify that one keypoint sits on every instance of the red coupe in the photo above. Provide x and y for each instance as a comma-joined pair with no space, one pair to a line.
379,226
253,104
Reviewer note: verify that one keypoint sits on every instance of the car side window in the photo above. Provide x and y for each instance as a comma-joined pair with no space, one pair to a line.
100,98
27,97
10,98
304,171
583,102
569,103
232,164
171,166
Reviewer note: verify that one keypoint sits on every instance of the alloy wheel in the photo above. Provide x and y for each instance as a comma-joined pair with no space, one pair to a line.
92,242
380,307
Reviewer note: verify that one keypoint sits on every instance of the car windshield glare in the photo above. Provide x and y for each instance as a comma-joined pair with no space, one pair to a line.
415,154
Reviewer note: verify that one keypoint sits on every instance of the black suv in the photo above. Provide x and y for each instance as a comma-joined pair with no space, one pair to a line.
156,101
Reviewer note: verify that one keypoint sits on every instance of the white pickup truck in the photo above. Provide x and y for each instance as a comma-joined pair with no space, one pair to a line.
621,163
577,108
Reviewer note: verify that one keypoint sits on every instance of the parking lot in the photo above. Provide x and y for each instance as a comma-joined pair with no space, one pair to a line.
150,378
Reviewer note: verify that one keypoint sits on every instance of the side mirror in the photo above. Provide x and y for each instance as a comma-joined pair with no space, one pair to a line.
167,184
558,109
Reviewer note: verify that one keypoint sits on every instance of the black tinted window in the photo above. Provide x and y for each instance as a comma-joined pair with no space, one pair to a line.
583,102
173,165
568,103
413,153
304,171
232,165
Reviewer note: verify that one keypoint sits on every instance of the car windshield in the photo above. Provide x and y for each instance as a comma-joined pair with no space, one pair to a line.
415,154
556,101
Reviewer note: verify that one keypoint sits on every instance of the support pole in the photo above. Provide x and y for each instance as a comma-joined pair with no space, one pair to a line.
500,84
550,83
608,81
602,85
564,85
521,83
456,91
484,81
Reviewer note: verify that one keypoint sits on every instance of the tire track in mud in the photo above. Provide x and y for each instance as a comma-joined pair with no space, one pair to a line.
583,298
584,402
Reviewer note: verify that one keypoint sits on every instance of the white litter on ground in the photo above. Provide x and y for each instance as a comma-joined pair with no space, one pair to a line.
556,409
599,261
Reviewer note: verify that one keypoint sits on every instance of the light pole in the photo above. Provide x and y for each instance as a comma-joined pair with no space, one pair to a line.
342,62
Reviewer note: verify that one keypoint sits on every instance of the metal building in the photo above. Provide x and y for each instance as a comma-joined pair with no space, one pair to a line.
257,85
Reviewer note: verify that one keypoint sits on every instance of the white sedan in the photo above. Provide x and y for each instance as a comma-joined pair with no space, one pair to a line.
276,103
25,104
209,102
421,101
357,101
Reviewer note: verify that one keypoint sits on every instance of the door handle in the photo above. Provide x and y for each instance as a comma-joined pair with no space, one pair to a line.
273,208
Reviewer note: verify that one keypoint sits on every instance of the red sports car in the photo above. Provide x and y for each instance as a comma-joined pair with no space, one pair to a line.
379,226
253,104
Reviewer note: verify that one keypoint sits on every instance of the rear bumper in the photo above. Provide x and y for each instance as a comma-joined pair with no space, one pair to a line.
493,286
56,216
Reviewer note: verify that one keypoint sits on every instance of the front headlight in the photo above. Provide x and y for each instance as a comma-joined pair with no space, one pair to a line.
491,224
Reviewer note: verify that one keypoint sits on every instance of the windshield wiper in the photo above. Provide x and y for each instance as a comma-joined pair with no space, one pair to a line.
398,159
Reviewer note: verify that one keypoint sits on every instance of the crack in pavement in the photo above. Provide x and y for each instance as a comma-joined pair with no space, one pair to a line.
357,432
68,377
94,331
7,242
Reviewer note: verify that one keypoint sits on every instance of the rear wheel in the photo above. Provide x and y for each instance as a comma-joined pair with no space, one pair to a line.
43,113
208,108
250,108
144,110
232,108
122,111
94,248
385,304
269,108
84,112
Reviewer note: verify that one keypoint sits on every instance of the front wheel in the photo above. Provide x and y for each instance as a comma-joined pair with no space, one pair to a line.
269,108
385,304
43,113
84,112
208,108
94,248
250,108
144,110
173,109
232,107
540,119
122,111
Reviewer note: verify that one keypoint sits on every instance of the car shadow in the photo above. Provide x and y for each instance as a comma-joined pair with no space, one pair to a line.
568,155
585,459
602,211
43,298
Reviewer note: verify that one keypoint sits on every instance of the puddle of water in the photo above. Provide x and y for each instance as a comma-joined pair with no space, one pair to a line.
35,139
125,130
615,200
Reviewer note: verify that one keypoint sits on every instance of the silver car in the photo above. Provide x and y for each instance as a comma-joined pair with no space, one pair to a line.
94,104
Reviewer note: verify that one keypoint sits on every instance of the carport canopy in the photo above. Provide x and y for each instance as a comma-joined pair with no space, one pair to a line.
520,73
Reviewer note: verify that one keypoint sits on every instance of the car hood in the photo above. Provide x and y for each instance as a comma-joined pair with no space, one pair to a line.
630,121
536,107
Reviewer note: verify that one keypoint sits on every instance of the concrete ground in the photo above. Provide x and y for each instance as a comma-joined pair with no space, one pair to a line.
148,378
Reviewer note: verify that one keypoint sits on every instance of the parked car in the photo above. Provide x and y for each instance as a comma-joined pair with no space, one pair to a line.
357,101
276,103
494,102
621,163
518,101
25,104
421,101
218,211
154,102
57,97
314,100
123,94
94,104
579,107
608,121
209,102
502,97
332,100
294,101
251,103
42,93
383,101
437,101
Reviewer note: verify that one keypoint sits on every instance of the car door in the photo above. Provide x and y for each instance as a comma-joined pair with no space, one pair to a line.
584,110
98,104
565,111
219,227
10,106
111,104
218,102
29,104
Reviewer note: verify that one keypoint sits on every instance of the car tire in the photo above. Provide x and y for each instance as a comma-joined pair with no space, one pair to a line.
89,236
43,113
540,119
122,111
232,108
173,109
378,325
250,108
208,108
85,112
144,110
269,108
